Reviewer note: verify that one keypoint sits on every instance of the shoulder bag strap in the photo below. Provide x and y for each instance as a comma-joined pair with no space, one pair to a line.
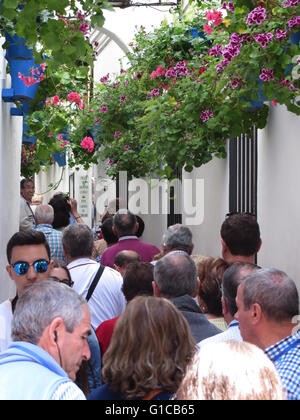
95,282
152,394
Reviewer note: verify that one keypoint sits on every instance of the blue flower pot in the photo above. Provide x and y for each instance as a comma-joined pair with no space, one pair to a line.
17,50
20,60
60,158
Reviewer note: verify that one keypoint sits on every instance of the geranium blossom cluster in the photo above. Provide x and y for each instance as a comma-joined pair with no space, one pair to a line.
36,76
83,27
257,15
230,51
205,115
228,6
74,97
263,39
215,17
267,75
295,21
291,3
88,144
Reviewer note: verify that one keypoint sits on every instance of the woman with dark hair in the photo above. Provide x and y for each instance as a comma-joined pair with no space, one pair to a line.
149,352
63,209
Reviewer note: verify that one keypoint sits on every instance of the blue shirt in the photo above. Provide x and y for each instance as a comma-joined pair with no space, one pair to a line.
286,357
54,238
27,372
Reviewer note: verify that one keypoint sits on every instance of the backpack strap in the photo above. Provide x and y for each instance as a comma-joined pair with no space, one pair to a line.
152,394
95,282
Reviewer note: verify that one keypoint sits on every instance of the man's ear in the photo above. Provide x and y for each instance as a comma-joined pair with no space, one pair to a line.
224,306
8,269
115,231
156,291
256,313
51,265
224,247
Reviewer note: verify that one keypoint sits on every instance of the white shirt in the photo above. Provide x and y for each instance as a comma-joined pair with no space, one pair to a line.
6,317
26,215
231,334
107,301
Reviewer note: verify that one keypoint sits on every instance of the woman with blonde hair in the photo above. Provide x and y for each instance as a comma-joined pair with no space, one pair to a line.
148,354
243,372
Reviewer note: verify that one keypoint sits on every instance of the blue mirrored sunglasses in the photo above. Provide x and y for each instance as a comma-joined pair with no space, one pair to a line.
21,267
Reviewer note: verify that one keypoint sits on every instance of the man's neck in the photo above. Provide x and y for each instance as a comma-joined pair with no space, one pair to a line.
273,333
231,259
70,260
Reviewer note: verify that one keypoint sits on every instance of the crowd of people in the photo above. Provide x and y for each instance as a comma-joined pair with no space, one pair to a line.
116,318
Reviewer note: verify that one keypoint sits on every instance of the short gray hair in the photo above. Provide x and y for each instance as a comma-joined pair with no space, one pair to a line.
176,274
44,213
40,305
124,222
78,240
178,237
274,291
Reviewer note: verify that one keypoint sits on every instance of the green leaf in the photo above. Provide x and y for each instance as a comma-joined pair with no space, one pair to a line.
98,20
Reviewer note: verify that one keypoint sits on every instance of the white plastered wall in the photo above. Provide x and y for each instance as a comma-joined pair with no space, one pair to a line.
10,153
278,192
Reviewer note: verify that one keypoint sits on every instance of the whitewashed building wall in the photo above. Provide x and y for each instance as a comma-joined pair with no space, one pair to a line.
10,152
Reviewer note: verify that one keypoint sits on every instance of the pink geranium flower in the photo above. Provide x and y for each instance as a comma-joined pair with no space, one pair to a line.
88,144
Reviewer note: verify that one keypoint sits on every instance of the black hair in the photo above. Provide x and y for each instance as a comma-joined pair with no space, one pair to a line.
62,211
26,237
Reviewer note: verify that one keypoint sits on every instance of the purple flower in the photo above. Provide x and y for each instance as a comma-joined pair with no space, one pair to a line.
263,39
110,162
127,147
267,75
294,21
155,92
231,7
103,109
104,79
280,34
291,3
118,134
205,115
215,50
170,73
257,15
123,98
84,27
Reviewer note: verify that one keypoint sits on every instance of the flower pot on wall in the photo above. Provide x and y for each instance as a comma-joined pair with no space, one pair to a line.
20,60
60,158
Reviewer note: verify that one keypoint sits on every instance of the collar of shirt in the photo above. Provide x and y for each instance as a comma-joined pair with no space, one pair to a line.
45,225
275,351
80,262
128,237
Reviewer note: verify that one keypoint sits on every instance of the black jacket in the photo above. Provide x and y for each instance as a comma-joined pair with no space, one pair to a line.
201,328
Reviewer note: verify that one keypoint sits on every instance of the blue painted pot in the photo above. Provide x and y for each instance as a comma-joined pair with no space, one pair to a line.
60,158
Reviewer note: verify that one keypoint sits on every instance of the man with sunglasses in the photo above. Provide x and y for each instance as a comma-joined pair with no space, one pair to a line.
29,262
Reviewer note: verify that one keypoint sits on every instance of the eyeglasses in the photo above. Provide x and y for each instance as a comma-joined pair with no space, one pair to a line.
64,281
22,267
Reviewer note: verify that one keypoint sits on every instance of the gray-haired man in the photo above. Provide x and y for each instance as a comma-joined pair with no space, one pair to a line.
50,328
